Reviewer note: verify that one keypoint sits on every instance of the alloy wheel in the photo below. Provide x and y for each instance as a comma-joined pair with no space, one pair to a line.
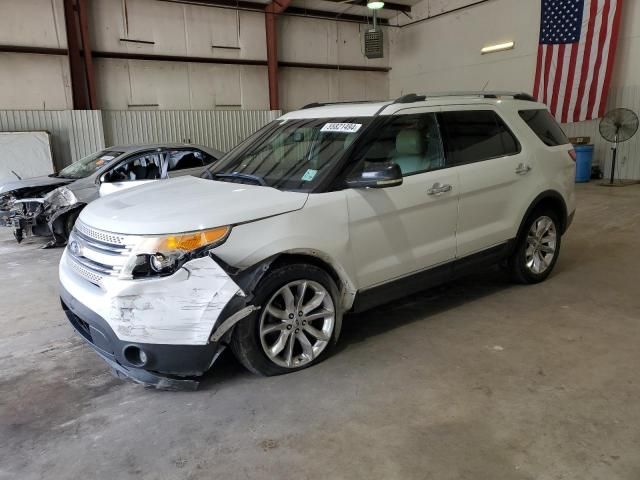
541,245
297,323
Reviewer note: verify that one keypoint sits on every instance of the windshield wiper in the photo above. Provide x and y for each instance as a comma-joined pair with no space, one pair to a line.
242,176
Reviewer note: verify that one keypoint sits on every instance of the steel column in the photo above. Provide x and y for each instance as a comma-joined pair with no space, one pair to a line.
75,61
86,51
270,15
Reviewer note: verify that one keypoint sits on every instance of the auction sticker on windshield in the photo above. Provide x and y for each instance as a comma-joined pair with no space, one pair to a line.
341,127
309,175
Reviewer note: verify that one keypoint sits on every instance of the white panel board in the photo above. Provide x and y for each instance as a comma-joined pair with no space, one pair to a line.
28,154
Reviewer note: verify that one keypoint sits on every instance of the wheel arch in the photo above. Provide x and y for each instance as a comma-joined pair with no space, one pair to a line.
551,199
324,262
57,219
248,278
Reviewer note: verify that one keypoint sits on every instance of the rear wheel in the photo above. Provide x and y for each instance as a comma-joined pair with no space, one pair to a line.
538,248
297,324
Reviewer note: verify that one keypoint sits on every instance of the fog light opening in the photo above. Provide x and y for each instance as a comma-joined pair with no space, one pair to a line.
135,356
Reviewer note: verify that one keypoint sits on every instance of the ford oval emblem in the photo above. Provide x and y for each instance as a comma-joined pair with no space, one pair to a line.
74,248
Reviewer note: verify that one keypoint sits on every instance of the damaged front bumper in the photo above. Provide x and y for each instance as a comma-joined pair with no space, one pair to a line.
27,217
166,366
163,332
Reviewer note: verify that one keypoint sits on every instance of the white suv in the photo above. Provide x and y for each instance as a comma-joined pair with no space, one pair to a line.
327,210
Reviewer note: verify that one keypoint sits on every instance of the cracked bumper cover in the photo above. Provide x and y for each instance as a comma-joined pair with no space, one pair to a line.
172,319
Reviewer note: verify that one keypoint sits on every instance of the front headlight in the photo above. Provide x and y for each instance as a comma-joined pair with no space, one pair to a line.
60,197
163,255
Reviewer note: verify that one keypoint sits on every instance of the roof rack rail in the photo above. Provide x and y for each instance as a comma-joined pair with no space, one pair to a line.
414,97
525,96
324,104
410,98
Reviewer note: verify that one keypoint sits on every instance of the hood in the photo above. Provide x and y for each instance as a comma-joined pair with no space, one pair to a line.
185,204
85,189
35,182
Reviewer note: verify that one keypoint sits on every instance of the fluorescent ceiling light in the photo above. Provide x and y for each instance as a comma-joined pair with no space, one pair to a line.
375,4
498,47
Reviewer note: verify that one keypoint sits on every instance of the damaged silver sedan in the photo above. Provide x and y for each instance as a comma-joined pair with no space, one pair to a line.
49,206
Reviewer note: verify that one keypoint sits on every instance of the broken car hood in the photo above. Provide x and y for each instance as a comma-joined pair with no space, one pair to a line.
186,204
35,182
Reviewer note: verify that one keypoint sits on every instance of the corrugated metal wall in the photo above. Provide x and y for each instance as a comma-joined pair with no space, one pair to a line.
628,163
77,133
74,133
221,129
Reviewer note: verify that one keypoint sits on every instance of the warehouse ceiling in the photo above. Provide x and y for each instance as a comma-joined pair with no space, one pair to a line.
342,9
357,7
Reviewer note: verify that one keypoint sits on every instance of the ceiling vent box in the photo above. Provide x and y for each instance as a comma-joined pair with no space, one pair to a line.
373,43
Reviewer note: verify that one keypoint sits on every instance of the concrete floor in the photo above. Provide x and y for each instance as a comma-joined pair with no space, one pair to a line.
477,380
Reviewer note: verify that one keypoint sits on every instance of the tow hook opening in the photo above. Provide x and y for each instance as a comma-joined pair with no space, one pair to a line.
135,355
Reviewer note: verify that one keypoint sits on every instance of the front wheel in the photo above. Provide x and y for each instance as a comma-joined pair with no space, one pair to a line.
537,249
297,324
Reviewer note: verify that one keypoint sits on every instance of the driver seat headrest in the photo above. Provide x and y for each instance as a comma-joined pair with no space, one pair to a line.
409,142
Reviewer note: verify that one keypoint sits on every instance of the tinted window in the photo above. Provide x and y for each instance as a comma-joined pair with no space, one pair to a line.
208,159
411,141
544,126
184,159
476,135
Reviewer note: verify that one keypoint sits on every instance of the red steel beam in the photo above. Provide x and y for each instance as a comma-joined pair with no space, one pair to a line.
86,50
271,12
75,61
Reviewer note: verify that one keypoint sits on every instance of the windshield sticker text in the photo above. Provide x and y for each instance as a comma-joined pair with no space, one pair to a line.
341,127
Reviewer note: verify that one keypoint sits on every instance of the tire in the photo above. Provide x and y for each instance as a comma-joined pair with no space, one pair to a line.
69,222
274,325
536,253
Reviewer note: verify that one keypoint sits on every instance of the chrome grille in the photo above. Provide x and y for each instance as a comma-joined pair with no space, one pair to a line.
112,238
94,254
104,247
93,277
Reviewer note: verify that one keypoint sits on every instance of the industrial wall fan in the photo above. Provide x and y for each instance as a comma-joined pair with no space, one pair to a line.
618,126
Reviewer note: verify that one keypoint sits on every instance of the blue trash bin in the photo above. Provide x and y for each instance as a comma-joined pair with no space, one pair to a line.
584,159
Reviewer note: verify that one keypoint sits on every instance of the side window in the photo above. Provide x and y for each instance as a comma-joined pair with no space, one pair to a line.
410,141
147,166
544,126
206,158
476,135
184,159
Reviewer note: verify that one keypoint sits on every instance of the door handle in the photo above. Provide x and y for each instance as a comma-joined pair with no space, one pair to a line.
523,169
438,189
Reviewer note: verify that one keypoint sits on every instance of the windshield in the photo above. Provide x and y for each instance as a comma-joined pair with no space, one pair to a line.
88,165
290,155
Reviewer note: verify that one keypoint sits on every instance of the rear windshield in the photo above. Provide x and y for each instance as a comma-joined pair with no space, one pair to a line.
544,126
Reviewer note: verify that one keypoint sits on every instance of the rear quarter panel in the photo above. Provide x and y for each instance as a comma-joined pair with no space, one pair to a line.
552,168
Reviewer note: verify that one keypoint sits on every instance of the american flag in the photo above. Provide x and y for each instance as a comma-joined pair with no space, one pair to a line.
575,56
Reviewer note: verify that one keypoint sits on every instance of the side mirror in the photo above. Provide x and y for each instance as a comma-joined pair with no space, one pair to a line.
377,175
106,177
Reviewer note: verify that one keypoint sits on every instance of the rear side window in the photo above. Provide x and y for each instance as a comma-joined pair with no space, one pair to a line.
184,159
544,126
476,135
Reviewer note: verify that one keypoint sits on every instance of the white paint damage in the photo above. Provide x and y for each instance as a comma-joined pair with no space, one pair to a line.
180,309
